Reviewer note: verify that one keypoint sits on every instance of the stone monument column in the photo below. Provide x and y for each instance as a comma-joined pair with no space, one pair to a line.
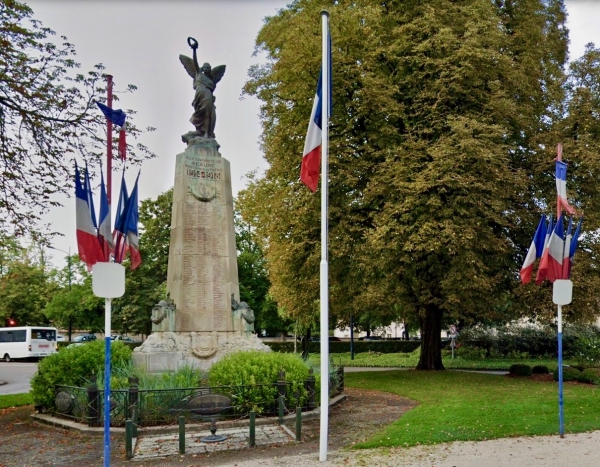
202,272
203,319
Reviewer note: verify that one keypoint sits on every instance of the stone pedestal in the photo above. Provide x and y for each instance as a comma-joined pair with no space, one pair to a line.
202,275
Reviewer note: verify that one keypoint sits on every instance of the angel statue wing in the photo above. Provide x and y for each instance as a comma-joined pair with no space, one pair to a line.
217,73
189,66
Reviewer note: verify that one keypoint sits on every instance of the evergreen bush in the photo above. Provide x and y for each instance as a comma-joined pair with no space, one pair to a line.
73,366
519,369
253,377
590,375
540,370
569,374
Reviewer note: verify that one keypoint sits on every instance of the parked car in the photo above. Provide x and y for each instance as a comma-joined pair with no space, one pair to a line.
85,338
60,338
123,339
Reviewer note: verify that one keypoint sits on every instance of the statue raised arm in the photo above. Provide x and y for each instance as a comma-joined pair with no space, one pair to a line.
205,82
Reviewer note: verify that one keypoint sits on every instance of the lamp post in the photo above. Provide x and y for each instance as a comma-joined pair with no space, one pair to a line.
68,278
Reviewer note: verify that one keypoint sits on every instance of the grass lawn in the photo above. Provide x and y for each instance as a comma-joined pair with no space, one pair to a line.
464,406
15,400
409,360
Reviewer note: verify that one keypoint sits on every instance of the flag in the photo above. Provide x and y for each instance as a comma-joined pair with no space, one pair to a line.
90,196
119,230
535,250
573,245
552,259
87,242
122,148
566,263
561,189
104,230
131,226
541,274
311,156
118,118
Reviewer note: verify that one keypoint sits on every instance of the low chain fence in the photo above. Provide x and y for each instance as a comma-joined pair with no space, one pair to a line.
150,407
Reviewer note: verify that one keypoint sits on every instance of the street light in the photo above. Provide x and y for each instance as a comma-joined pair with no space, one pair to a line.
68,278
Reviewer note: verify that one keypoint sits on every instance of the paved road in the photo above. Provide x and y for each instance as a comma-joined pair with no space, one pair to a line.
17,375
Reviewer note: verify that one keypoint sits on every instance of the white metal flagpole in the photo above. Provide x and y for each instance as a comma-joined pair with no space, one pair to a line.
324,270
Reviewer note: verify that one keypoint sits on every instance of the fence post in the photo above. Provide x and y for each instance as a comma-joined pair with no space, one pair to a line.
93,409
132,402
281,385
340,379
309,384
128,439
252,429
281,404
181,435
298,423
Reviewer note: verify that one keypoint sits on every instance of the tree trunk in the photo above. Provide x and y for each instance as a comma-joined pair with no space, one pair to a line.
431,339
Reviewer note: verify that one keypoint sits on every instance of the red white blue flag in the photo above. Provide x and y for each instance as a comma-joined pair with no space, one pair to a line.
131,227
87,241
104,229
551,265
535,250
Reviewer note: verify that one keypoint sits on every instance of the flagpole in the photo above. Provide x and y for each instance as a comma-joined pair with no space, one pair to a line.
561,414
109,99
324,269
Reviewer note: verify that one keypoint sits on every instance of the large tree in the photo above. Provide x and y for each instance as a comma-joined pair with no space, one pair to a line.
445,119
47,117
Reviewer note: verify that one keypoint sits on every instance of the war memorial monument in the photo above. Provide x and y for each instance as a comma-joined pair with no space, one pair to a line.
203,319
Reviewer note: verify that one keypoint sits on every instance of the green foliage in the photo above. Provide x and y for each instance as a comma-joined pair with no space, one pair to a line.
460,406
183,377
359,346
540,370
440,145
15,400
520,369
589,375
569,373
73,301
47,115
586,347
72,366
24,287
254,374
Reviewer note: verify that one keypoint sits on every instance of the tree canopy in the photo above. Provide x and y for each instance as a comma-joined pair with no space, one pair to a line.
446,116
47,117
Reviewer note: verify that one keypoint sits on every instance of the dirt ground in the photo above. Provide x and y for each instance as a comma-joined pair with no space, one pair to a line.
25,443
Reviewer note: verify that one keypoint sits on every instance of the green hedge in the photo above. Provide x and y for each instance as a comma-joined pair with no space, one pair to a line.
343,347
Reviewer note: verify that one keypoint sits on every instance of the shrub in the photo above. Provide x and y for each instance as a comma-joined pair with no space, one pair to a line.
519,369
252,376
72,366
540,370
591,375
569,373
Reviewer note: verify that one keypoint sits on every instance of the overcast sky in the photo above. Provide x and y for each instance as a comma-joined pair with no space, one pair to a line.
139,42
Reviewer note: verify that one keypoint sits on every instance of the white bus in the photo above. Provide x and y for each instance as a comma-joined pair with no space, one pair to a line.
27,342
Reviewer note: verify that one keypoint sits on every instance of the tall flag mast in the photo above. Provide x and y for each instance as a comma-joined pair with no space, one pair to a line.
556,262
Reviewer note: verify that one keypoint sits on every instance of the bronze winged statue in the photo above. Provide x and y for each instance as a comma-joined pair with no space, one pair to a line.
205,82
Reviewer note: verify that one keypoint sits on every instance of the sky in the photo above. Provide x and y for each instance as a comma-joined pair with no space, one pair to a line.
139,43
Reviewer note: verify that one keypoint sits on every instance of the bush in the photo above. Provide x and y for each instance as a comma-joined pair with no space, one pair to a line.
519,369
591,375
540,370
569,374
73,366
253,376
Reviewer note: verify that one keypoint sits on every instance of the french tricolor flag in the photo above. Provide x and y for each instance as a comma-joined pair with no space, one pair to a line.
104,229
311,157
535,251
87,241
551,266
561,188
